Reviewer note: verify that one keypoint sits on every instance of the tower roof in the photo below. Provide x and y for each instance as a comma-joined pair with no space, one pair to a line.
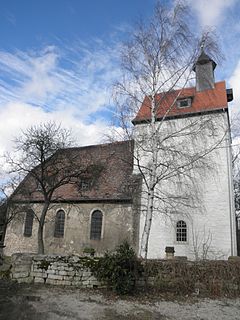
202,102
203,59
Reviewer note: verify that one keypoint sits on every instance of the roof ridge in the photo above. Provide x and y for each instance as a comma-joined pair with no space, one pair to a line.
97,145
188,88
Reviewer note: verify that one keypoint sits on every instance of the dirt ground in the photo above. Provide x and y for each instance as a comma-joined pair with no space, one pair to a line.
27,302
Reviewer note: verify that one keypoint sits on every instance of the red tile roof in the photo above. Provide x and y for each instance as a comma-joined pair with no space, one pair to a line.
204,101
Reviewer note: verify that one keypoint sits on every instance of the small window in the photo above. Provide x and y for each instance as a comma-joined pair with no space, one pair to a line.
38,188
59,224
96,225
84,184
181,231
28,223
184,103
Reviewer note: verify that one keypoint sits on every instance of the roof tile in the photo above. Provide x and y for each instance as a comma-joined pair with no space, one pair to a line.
112,182
204,101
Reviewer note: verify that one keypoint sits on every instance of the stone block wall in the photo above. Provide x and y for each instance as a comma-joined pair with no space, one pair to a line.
178,276
119,220
54,270
21,267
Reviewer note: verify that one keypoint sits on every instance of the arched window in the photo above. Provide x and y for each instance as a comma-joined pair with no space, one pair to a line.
181,231
28,223
59,224
96,225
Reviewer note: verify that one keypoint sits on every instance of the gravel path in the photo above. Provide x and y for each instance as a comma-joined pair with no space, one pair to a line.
52,303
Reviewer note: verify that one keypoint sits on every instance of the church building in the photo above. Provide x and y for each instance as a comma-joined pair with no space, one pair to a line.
193,206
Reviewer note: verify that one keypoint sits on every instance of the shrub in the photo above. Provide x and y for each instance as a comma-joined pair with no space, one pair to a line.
89,250
119,270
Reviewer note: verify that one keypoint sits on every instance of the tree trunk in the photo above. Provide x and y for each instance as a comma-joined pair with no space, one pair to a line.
151,186
40,239
147,225
41,226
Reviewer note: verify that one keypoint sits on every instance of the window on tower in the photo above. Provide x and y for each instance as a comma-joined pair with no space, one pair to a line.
184,103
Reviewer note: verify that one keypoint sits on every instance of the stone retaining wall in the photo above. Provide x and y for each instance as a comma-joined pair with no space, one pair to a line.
21,267
214,278
55,270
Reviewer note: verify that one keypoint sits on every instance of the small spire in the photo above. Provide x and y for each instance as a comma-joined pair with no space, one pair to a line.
203,59
202,45
204,68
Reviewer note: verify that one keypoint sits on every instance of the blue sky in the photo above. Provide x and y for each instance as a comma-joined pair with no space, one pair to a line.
59,58
29,23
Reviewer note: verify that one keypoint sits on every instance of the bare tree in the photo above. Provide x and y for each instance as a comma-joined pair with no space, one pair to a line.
41,161
170,156
201,241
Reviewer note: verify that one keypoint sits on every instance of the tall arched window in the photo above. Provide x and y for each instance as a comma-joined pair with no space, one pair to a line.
96,225
28,223
59,224
181,231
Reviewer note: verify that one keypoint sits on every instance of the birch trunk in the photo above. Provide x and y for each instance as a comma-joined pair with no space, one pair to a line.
147,225
151,187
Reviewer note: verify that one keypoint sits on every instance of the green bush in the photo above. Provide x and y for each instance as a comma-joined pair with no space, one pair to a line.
89,250
119,270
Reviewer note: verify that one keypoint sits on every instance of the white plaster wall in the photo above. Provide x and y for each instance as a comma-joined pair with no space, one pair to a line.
214,219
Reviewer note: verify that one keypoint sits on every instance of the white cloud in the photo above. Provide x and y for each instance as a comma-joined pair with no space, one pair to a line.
42,80
211,12
234,83
19,116
70,86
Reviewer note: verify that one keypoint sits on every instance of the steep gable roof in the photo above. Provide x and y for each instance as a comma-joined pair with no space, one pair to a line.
204,58
204,101
113,163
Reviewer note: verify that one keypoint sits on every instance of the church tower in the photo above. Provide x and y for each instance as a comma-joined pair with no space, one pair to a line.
193,121
204,68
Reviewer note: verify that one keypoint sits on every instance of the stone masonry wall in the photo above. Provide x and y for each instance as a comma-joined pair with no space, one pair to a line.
21,267
118,225
54,270
178,276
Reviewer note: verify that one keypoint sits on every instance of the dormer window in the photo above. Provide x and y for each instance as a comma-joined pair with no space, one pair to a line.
38,188
85,184
184,103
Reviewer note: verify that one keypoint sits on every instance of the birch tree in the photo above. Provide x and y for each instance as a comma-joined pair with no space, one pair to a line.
156,61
